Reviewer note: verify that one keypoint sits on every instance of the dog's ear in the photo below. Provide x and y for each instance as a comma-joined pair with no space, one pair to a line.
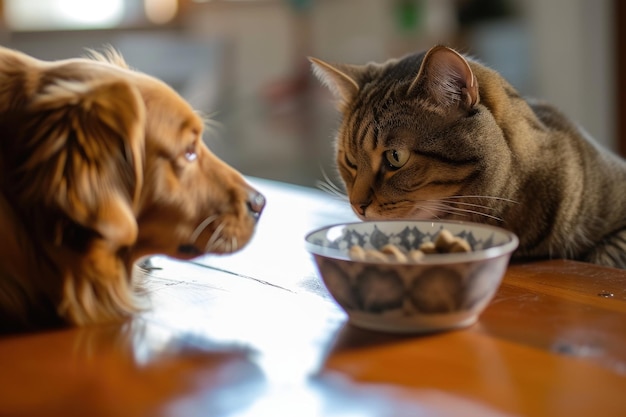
85,155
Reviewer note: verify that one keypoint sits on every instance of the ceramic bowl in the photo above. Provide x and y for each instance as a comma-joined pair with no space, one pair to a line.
440,292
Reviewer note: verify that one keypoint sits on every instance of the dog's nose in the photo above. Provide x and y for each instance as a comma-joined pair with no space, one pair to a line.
256,203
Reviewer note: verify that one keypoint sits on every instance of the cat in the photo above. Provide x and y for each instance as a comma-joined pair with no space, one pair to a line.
438,135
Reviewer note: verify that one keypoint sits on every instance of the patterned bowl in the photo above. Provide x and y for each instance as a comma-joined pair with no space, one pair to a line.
442,291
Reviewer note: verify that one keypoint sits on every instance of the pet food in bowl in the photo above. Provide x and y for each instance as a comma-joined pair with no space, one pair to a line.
395,293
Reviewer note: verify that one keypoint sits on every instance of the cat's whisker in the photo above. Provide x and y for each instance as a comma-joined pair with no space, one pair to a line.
499,219
433,213
449,210
488,197
462,203
445,207
328,186
452,205
330,182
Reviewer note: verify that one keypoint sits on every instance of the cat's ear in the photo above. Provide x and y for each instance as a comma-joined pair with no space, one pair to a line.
340,79
448,78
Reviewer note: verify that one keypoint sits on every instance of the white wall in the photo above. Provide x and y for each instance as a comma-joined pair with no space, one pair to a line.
572,56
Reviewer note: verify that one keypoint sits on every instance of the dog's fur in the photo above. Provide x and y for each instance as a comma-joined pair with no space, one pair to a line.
101,165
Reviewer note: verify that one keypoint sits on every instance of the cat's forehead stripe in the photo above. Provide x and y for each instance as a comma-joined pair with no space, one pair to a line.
360,123
355,131
352,129
363,133
374,123
369,116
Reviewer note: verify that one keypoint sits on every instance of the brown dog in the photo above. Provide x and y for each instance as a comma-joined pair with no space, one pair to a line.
100,166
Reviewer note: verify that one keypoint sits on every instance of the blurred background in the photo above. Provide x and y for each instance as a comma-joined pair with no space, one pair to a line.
243,62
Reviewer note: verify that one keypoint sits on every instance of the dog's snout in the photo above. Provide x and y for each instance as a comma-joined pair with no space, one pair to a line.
256,203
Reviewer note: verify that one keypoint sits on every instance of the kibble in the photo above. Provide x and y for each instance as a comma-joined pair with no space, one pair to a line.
394,252
445,242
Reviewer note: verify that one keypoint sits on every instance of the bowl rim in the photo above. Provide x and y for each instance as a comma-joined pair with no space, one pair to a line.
506,248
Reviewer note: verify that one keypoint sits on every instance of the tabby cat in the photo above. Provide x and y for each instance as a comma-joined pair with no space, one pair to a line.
438,135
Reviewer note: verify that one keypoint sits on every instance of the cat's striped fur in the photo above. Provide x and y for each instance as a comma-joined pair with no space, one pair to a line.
438,135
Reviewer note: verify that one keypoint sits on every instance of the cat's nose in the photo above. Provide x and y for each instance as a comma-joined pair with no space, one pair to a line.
361,207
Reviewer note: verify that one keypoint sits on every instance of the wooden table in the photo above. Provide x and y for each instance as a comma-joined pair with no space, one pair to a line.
255,334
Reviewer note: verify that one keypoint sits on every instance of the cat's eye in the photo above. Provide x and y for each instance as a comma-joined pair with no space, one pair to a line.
396,158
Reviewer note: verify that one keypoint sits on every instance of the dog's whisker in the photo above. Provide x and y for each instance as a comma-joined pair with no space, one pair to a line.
213,126
214,237
200,228
230,245
219,243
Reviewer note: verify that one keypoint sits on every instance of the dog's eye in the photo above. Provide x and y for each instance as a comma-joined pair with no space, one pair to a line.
190,154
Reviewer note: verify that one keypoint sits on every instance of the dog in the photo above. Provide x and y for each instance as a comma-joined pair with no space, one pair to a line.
100,166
